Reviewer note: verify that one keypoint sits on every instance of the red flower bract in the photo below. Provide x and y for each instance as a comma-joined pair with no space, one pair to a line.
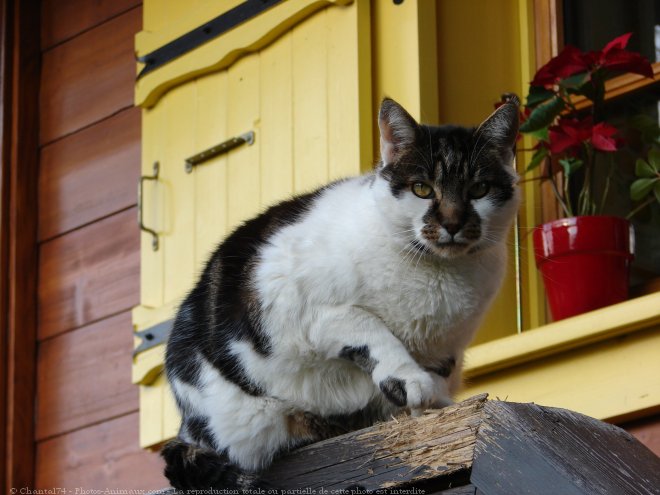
602,137
613,57
568,62
569,135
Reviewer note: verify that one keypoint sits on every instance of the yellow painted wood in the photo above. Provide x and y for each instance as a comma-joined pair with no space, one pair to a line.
275,130
310,107
166,20
480,57
210,178
532,291
147,365
606,323
405,56
243,166
178,236
151,413
348,95
614,379
153,205
221,52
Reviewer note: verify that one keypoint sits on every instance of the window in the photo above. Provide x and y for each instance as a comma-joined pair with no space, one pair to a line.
597,363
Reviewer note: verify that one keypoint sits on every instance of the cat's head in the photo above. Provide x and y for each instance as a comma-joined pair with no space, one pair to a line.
453,189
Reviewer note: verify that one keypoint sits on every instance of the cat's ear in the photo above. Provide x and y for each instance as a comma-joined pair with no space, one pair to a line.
500,130
398,130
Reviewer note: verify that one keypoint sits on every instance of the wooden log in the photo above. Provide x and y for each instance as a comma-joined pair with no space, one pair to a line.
403,452
477,446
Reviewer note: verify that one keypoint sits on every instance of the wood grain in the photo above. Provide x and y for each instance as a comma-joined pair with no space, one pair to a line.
561,451
89,274
90,174
408,451
84,377
64,19
88,78
102,456
19,107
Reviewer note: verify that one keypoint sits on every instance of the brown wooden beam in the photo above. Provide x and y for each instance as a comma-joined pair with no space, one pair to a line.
20,54
476,446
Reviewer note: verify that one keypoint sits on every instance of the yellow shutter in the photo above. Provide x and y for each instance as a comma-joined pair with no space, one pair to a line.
306,96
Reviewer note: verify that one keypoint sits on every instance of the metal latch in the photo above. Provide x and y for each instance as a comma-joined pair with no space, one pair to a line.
153,336
219,149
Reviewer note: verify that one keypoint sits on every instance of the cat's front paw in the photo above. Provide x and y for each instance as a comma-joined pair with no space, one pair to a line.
413,388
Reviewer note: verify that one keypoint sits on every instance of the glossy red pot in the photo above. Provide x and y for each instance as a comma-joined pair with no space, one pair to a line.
585,262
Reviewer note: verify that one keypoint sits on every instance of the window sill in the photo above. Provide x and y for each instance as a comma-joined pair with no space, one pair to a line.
603,363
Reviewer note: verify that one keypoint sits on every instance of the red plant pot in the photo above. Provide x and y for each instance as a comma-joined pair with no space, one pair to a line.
585,262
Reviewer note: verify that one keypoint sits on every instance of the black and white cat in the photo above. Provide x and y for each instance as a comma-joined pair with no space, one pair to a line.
339,308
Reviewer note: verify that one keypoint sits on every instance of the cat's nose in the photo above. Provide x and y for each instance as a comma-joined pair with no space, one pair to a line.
452,227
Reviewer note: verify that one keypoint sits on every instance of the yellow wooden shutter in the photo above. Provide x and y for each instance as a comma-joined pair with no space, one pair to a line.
301,85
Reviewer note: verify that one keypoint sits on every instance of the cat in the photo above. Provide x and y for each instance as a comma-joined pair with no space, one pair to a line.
342,307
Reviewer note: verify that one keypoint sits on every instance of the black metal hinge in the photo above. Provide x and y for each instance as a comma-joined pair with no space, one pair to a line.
204,33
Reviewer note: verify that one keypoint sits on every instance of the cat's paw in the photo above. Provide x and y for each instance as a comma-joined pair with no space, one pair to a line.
441,396
409,387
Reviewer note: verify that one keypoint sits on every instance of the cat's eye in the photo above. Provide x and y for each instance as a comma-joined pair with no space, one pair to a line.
422,190
479,190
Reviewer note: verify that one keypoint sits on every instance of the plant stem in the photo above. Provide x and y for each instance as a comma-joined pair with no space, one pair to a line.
607,183
640,207
566,195
556,192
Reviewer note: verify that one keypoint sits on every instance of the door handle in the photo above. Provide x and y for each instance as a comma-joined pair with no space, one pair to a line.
143,227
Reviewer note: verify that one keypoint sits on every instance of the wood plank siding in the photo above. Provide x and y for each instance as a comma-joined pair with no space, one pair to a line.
86,415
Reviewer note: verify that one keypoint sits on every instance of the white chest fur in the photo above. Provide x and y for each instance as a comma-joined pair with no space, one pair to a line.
349,251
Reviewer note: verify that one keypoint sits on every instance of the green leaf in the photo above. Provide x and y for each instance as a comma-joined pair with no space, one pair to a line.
543,115
641,187
643,169
537,158
654,159
541,134
570,165
537,95
656,190
574,84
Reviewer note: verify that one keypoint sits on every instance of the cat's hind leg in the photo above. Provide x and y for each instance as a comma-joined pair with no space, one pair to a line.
191,467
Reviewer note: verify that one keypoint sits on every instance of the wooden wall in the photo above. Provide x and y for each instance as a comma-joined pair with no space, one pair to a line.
89,134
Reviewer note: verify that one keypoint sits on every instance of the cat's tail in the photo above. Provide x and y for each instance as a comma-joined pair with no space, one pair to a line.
190,467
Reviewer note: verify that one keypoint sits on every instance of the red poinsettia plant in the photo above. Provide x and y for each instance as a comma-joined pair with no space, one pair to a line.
574,138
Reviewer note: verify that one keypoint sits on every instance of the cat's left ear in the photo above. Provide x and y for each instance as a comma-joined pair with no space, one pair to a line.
398,130
500,130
